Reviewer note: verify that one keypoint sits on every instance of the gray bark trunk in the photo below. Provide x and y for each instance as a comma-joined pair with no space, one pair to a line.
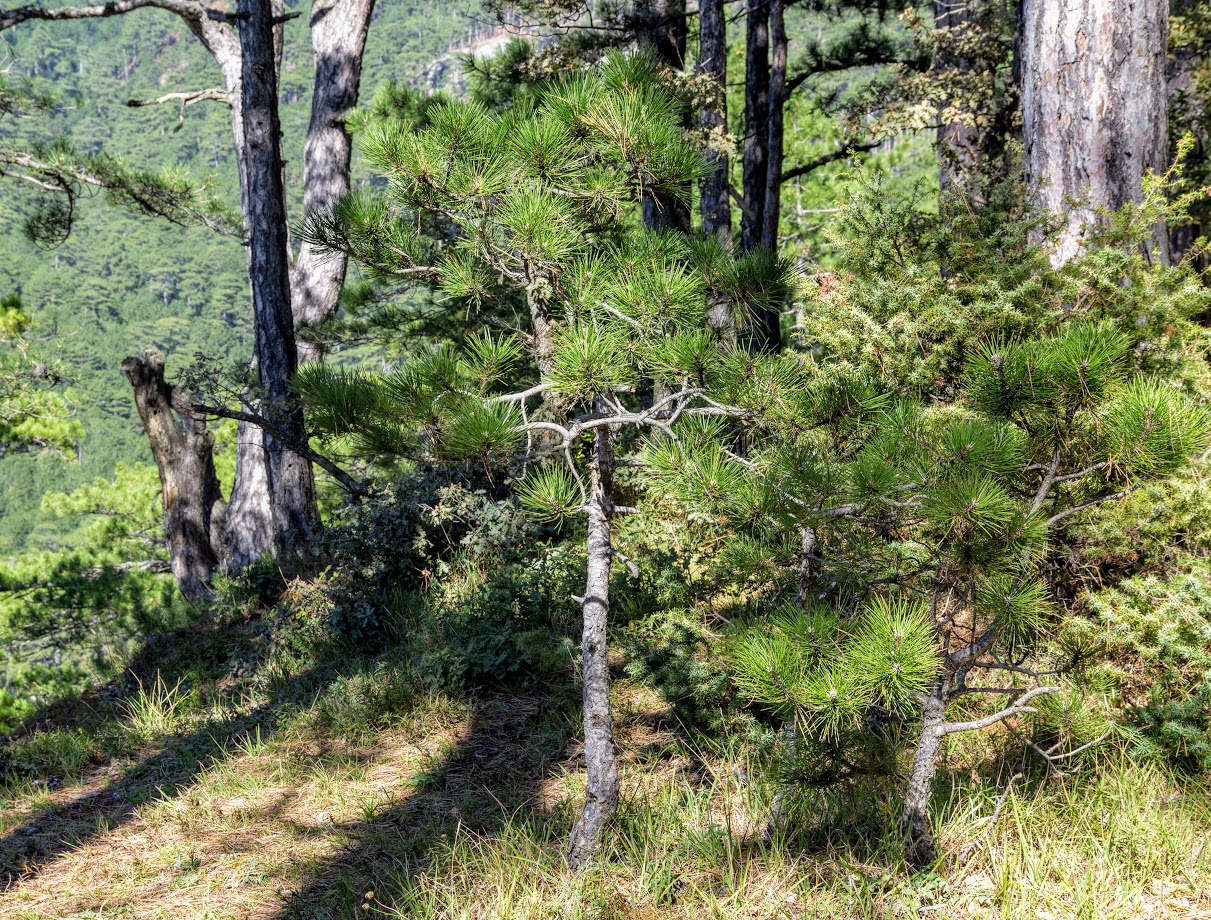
338,40
958,144
920,849
601,794
1094,108
183,448
290,486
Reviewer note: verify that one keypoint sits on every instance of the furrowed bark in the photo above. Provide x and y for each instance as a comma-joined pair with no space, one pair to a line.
289,482
338,40
920,849
601,794
1094,108
777,101
183,448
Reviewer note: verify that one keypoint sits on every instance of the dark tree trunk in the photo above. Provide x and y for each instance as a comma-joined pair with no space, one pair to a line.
713,193
601,794
770,210
920,849
291,489
756,123
661,29
183,448
1094,107
338,40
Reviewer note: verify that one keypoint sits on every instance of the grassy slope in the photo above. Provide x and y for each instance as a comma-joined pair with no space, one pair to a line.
185,792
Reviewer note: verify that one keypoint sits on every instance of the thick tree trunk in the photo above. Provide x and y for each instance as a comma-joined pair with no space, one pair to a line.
338,40
1094,107
601,794
756,123
714,190
183,448
920,849
288,477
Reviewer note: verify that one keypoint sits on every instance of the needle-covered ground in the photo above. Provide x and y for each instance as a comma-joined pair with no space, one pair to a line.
326,794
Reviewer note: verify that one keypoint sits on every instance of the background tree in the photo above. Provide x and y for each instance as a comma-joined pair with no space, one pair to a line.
1085,139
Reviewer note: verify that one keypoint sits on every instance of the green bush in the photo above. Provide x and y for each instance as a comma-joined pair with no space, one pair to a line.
1152,634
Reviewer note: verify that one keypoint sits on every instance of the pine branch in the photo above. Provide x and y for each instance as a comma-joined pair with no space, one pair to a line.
352,486
812,165
183,8
1018,708
1055,518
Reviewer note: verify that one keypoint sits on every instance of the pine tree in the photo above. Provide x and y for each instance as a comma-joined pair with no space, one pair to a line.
910,540
540,203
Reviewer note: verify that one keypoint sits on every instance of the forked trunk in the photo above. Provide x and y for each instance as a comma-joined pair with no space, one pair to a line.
183,448
601,794
919,847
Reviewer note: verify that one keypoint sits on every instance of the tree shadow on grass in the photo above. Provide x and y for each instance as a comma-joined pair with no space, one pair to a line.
111,798
491,777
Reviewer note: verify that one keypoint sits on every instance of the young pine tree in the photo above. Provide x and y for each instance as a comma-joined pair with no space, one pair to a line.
916,537
539,204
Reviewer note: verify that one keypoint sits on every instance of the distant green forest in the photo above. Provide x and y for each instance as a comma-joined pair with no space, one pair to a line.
122,282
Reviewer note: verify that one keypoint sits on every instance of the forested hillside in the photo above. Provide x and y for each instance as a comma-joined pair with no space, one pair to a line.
122,282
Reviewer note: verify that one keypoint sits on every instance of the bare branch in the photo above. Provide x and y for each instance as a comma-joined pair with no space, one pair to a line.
1055,518
184,8
1017,708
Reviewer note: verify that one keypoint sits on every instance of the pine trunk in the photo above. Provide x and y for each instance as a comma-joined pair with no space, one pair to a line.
601,794
714,190
183,448
920,849
756,123
660,28
958,143
288,477
1094,108
338,40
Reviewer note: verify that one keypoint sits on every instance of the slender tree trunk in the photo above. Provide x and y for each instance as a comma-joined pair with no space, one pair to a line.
920,849
338,41
714,191
756,123
770,211
291,488
601,794
1094,108
183,448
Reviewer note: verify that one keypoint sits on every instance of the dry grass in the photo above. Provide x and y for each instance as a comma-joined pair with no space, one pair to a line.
459,811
